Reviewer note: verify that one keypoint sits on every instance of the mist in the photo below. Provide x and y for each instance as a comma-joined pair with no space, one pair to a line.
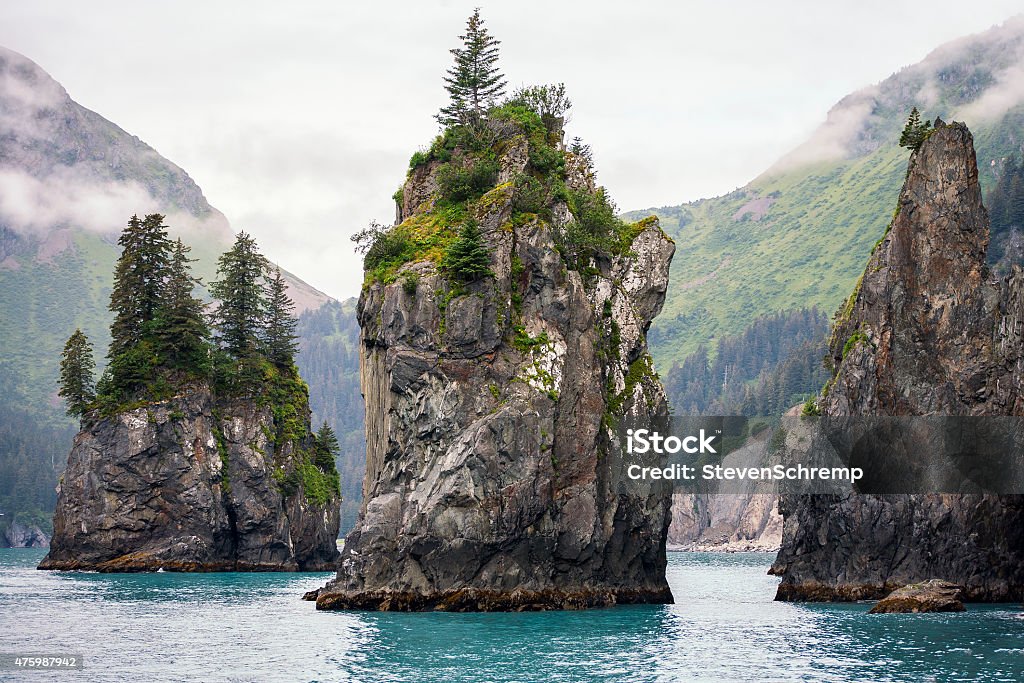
298,122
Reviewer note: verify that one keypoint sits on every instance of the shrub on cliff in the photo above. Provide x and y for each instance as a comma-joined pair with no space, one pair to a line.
459,181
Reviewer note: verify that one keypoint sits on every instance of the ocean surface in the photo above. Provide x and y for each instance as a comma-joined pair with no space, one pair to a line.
254,627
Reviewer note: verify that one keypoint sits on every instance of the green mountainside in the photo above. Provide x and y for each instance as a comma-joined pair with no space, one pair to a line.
798,234
329,360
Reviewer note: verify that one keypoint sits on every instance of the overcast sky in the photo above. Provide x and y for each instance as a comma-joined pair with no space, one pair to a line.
297,119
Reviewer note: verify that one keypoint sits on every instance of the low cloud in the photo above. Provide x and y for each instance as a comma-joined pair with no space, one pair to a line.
959,64
30,205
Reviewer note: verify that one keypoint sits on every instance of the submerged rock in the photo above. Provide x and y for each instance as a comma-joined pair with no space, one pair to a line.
934,595
927,332
192,484
491,482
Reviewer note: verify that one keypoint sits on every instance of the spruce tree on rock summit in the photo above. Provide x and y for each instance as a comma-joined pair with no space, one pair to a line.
241,311
279,338
914,132
76,374
139,277
474,82
182,331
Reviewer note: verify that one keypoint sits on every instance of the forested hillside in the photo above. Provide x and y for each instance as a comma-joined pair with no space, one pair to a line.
329,360
773,364
797,235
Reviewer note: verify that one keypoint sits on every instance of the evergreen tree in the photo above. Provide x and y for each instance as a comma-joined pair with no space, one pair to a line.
139,277
76,374
181,330
473,82
467,257
915,132
279,339
240,313
327,448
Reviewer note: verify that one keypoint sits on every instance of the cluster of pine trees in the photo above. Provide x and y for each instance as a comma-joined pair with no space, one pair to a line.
775,363
163,336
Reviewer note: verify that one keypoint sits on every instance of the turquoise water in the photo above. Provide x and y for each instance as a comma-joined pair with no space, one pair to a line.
253,627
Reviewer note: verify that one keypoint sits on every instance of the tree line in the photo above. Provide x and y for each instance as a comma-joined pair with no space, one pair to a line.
1005,202
775,363
164,337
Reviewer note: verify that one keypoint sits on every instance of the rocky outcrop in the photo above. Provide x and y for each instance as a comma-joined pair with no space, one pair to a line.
744,519
933,595
193,484
725,522
491,479
18,535
927,332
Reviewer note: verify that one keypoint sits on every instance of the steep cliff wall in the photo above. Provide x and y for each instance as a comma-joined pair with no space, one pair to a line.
193,484
927,332
491,483
745,519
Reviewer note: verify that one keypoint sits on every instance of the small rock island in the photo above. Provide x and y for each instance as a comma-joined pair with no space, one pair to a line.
928,331
503,337
196,451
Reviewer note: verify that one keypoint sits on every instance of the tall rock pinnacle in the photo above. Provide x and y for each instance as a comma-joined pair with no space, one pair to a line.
490,481
926,332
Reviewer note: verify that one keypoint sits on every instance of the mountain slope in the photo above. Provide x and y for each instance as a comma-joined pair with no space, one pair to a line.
797,235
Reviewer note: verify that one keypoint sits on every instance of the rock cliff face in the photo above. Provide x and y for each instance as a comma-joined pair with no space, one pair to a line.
18,535
745,519
730,522
191,484
927,332
490,481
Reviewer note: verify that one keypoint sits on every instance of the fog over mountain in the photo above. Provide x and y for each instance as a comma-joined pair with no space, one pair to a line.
298,121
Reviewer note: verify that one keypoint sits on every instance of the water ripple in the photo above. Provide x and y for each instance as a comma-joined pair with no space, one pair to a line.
252,627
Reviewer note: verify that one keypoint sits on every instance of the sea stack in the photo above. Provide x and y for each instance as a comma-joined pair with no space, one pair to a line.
493,387
193,484
927,331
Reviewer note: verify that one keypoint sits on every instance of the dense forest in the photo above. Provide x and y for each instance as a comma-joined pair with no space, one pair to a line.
328,358
33,452
775,363
1005,202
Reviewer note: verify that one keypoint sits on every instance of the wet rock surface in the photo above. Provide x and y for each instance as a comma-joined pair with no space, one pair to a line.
933,595
189,484
927,332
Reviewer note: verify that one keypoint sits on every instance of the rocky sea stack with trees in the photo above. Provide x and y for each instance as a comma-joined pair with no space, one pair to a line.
196,451
503,337
930,331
